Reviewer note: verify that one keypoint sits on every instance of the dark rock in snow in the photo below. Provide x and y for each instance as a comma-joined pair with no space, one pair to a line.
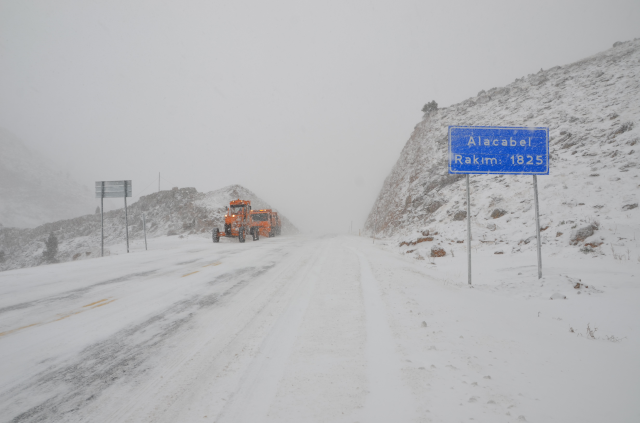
433,206
583,233
460,215
498,213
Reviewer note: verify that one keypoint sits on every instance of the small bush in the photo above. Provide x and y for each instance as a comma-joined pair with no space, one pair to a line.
51,249
432,106
587,249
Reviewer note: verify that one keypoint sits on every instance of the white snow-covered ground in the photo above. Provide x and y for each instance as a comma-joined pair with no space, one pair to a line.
318,329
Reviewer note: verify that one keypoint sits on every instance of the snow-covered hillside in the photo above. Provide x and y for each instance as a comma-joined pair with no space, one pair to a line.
31,192
588,203
180,212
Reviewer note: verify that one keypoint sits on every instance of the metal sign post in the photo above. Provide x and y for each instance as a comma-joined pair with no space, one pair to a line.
102,218
144,228
468,231
497,150
113,189
535,197
126,217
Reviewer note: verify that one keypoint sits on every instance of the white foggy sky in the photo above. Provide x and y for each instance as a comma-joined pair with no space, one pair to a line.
308,104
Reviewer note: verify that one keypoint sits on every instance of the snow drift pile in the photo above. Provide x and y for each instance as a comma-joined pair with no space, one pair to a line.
588,203
183,211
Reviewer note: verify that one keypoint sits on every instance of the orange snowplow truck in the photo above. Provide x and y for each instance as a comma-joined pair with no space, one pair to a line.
237,222
267,222
277,223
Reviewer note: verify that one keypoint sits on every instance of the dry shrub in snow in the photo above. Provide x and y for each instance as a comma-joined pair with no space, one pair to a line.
438,252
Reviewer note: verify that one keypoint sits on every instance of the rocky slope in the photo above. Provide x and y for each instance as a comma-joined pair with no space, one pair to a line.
588,203
31,192
178,212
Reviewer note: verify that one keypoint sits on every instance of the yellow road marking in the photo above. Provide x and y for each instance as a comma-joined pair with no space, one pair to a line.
69,315
89,305
100,305
190,273
213,264
15,330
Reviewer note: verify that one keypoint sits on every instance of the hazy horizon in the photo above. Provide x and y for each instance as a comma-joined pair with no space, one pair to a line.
307,105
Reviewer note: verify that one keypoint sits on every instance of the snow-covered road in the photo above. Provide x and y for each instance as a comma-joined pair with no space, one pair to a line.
306,329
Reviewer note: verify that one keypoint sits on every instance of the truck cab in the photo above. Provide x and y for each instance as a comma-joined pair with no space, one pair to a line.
264,220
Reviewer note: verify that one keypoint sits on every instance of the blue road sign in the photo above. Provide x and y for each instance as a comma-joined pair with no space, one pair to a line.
499,150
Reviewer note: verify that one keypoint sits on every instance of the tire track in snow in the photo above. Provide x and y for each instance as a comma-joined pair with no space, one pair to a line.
258,386
68,389
217,349
389,400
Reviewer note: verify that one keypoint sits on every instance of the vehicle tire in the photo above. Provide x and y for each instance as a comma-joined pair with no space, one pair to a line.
241,235
215,235
256,234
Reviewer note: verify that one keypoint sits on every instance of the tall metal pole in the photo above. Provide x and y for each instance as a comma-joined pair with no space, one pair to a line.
468,230
158,181
126,218
144,227
102,220
535,195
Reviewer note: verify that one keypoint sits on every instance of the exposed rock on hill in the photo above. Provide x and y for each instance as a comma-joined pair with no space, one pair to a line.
592,109
183,211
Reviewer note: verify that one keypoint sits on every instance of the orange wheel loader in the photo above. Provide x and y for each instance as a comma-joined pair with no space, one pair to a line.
237,222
